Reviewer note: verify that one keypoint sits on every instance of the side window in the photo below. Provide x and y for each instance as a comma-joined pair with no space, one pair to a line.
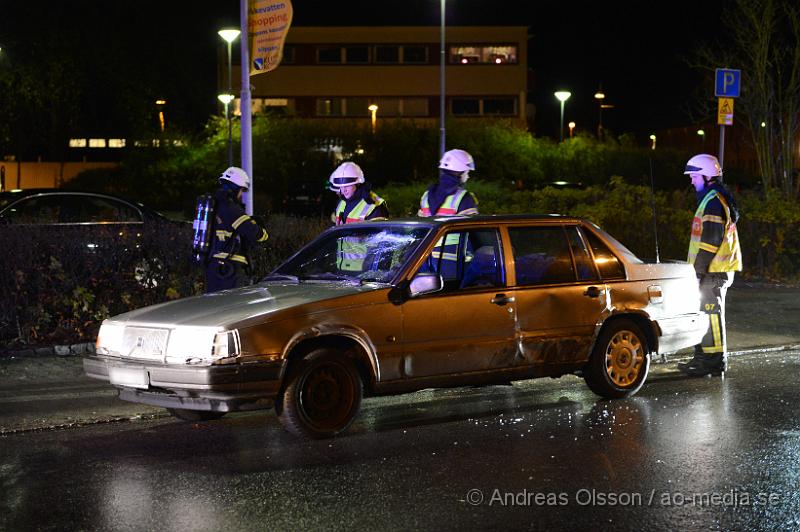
49,209
467,260
541,255
103,210
584,265
607,263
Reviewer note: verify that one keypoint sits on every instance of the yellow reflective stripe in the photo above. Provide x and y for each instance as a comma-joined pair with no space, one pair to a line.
222,234
239,221
225,256
263,238
708,247
713,218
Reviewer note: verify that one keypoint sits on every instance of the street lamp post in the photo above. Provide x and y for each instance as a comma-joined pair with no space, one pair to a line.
571,126
374,110
229,35
702,135
562,96
442,57
161,120
226,99
599,96
653,142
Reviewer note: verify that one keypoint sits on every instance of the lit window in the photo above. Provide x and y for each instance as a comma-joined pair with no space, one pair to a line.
97,143
485,55
116,143
276,102
329,107
77,143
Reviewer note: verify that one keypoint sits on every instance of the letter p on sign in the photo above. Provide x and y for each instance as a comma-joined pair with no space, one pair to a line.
728,83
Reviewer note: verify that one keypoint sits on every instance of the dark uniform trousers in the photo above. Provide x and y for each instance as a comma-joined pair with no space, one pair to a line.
222,275
713,287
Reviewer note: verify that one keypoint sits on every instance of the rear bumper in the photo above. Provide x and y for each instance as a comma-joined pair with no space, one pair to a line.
681,331
225,388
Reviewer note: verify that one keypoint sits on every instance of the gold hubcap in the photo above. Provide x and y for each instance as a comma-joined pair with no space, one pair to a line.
624,358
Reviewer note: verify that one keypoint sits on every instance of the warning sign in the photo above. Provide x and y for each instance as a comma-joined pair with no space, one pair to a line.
725,112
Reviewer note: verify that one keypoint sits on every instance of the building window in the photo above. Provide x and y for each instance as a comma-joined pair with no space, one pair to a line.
357,106
116,143
329,55
466,106
356,54
329,106
494,54
483,106
414,107
415,54
97,143
77,143
387,54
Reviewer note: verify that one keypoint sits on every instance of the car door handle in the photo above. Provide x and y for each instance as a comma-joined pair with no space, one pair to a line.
502,299
592,291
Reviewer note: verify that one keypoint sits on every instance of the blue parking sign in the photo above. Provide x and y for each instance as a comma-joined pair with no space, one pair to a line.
728,82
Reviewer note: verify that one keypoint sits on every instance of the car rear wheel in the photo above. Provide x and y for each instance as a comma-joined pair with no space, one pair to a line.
195,415
620,360
322,396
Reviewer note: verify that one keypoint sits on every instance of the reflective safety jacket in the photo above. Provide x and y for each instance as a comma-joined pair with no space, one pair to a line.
234,231
450,206
363,210
714,244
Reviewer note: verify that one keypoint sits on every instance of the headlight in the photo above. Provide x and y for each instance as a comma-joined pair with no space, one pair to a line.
109,338
201,345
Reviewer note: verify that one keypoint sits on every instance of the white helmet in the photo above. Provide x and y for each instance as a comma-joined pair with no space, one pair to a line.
346,174
237,176
457,161
704,164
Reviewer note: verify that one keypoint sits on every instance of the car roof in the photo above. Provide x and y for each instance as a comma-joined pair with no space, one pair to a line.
7,196
480,218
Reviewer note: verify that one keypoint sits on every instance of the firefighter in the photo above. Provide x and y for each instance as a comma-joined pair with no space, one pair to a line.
234,233
448,197
715,253
357,202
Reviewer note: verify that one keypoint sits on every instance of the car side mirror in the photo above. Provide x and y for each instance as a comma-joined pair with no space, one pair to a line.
425,283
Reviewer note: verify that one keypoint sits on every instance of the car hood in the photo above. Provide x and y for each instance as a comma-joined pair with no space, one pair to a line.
229,307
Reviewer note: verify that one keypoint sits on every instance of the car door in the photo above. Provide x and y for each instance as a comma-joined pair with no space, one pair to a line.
560,298
469,325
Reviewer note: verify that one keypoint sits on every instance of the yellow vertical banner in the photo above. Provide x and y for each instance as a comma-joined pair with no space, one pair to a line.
268,24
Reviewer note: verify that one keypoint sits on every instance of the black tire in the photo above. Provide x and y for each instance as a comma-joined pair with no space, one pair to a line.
620,360
195,415
322,395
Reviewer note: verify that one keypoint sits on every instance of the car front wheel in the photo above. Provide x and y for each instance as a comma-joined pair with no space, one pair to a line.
322,395
619,362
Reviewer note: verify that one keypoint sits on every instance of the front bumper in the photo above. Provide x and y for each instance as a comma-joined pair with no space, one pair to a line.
224,388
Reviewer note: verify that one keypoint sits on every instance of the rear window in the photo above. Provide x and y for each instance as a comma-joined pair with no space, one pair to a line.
609,265
541,255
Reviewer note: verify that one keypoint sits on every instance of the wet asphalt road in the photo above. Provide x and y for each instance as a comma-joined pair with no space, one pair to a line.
684,454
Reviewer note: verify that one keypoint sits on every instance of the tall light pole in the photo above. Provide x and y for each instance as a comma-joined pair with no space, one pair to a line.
599,96
162,122
229,35
227,99
562,96
442,58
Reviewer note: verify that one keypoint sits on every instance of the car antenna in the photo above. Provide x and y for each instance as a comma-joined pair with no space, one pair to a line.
653,201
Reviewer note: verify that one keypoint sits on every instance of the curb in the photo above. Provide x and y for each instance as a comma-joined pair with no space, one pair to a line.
71,350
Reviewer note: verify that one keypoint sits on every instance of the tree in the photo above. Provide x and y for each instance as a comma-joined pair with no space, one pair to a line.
762,38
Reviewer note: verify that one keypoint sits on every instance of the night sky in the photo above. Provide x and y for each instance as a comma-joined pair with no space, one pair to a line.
636,50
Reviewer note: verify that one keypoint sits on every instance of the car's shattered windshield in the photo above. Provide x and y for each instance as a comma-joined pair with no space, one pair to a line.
359,255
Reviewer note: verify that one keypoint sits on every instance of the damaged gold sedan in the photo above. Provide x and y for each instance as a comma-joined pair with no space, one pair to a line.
396,306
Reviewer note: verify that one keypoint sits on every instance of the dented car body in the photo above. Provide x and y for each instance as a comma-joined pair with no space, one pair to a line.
397,306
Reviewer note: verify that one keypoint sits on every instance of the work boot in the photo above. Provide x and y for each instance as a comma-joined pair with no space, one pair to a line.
697,360
714,365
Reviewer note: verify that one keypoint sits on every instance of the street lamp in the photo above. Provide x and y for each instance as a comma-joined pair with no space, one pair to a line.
653,140
374,110
161,121
571,126
562,96
599,96
227,99
229,35
702,134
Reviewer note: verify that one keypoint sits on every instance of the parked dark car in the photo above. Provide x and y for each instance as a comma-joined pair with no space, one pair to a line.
92,221
396,306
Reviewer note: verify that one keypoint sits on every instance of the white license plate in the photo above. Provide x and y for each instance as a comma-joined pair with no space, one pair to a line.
133,377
